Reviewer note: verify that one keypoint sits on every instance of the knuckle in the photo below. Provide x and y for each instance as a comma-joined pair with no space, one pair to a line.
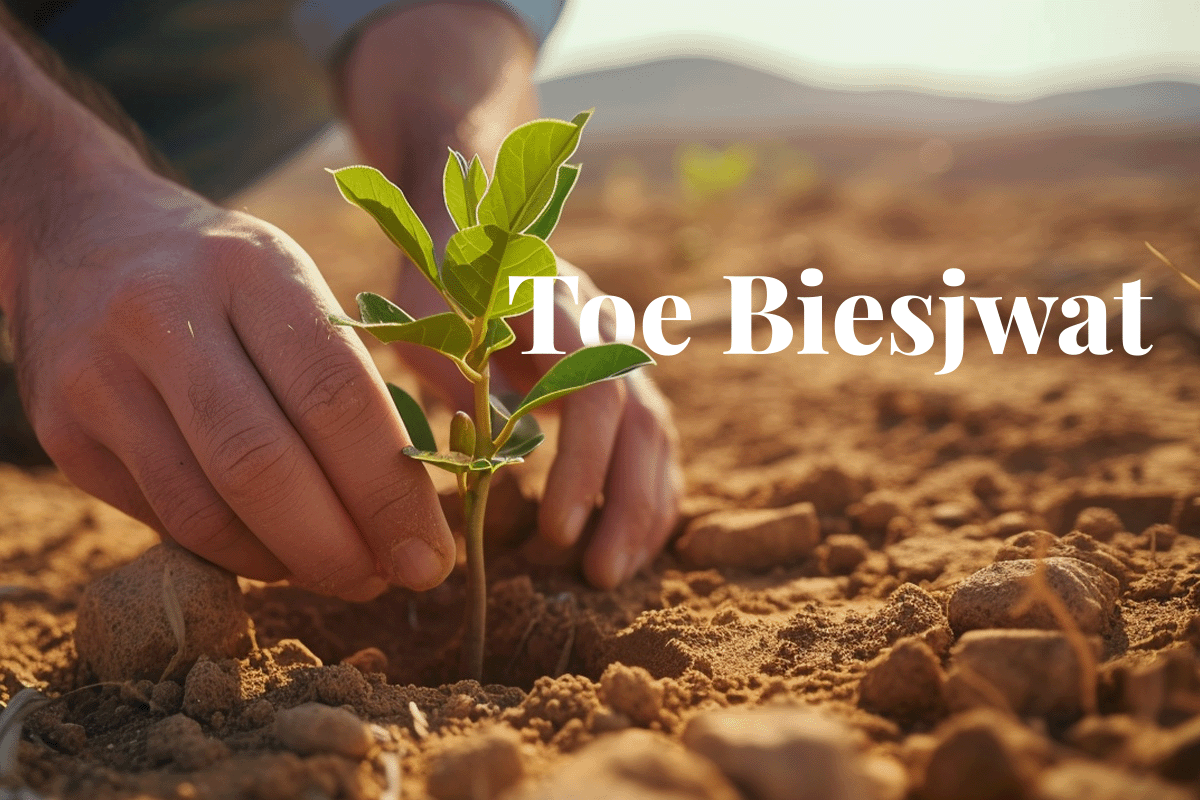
254,466
329,395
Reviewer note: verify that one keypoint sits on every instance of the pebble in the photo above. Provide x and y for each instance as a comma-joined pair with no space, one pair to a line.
875,510
751,538
211,688
634,764
1087,779
987,598
1037,673
905,683
479,767
982,755
1099,523
780,752
844,552
633,692
315,728
123,632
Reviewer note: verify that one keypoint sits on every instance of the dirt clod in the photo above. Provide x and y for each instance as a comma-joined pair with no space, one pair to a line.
124,633
752,539
478,768
1034,673
633,765
211,688
990,598
179,740
632,691
1099,523
316,728
905,683
983,755
780,752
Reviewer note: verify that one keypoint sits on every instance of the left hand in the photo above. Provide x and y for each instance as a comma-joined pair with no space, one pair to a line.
444,75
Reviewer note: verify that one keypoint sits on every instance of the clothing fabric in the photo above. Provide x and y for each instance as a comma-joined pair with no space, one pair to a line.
225,89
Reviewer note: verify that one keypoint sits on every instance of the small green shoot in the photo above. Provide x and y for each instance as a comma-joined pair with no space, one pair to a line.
503,223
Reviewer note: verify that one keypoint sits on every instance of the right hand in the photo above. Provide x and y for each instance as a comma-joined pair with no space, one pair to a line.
176,361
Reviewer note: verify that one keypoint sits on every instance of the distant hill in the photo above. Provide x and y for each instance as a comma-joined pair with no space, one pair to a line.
709,97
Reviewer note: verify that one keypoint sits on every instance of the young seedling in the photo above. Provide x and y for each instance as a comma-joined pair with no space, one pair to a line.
503,224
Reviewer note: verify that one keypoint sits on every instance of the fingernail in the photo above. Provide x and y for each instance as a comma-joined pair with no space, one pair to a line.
575,522
417,565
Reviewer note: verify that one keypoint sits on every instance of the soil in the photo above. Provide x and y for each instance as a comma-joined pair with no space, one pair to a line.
916,482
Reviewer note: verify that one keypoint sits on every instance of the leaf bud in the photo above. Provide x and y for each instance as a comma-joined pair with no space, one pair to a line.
462,433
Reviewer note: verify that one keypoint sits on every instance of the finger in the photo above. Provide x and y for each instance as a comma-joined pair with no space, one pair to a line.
331,394
156,475
587,436
640,501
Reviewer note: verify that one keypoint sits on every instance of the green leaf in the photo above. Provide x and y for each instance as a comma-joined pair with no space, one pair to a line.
525,438
374,309
545,224
454,188
459,462
367,188
446,333
479,262
582,368
527,171
477,184
499,336
419,432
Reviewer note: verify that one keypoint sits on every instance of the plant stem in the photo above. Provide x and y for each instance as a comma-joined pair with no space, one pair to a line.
475,508
475,635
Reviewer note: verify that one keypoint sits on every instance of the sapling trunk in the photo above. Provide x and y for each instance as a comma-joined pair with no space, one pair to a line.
484,277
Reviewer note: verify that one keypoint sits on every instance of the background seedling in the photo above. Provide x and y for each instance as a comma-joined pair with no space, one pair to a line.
503,223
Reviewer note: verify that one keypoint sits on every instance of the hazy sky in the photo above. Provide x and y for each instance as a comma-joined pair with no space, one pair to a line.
1014,48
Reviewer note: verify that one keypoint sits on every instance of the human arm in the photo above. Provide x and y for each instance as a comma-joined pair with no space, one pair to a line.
459,75
175,360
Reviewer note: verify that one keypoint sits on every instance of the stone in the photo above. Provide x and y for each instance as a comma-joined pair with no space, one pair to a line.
1010,523
1036,673
166,697
905,683
780,752
210,688
751,538
180,740
634,764
1087,779
844,552
874,511
123,631
1099,523
478,767
989,598
314,728
632,691
982,755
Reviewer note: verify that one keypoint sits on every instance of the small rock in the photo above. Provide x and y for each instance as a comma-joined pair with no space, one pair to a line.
766,750
633,765
988,598
751,539
1099,523
905,683
1087,779
479,767
1037,673
179,739
1107,737
315,728
368,661
952,513
123,632
982,755
1034,544
68,737
341,685
875,510
210,688
844,552
632,691
258,714
886,777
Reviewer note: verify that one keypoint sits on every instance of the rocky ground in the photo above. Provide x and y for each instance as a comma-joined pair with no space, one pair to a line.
886,584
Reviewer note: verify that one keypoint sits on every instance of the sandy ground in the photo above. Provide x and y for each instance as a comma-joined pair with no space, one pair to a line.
819,626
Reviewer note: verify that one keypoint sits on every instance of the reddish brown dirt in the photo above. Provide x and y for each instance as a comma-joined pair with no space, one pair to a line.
935,474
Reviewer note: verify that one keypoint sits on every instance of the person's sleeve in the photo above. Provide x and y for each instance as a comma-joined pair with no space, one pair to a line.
326,27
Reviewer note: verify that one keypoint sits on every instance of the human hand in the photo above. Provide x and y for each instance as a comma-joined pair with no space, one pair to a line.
176,361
